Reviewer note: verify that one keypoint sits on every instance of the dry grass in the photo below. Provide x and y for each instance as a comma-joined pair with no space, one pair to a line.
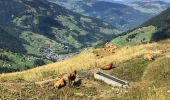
159,94
145,90
148,80
158,70
83,61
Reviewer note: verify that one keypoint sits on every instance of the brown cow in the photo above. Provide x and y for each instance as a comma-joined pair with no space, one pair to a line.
107,66
149,57
72,77
114,47
59,83
110,48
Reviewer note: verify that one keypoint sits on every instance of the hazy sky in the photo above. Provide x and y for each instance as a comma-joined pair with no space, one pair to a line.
137,0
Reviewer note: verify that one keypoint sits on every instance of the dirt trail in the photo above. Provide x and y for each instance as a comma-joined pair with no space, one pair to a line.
26,83
45,81
14,83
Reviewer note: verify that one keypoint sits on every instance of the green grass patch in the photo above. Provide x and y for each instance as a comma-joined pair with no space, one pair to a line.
159,71
131,70
135,37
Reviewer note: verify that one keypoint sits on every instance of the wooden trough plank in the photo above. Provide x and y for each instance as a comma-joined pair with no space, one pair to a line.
110,79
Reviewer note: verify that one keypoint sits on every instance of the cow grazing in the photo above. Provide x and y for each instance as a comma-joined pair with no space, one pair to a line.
72,77
114,47
97,55
149,57
59,83
110,48
107,66
104,49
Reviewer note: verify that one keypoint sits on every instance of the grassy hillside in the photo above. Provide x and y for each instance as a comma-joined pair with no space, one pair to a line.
154,29
38,29
149,80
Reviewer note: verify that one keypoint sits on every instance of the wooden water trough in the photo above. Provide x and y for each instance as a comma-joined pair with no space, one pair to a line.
111,80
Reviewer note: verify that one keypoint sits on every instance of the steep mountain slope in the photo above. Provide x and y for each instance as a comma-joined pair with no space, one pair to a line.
150,7
155,29
36,29
147,79
119,15
9,42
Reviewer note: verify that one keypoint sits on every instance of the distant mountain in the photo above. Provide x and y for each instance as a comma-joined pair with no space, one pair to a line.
119,15
130,1
155,29
8,41
150,7
32,30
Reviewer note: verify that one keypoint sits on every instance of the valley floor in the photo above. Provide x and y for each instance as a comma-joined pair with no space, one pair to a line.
149,80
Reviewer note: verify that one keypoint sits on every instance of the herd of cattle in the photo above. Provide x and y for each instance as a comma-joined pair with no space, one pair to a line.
110,48
71,77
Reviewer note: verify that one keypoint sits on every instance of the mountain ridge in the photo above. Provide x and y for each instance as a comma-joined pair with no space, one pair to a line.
108,11
46,31
132,14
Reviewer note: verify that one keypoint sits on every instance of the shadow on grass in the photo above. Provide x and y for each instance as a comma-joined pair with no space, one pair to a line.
77,83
